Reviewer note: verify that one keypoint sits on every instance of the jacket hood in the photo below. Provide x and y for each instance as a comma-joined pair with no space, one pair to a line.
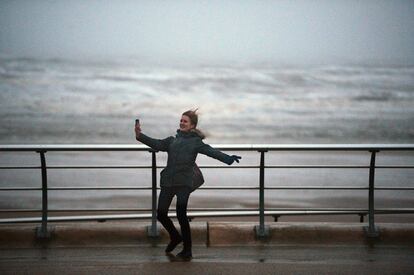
191,133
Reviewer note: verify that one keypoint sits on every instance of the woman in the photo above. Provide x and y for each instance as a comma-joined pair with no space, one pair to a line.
176,178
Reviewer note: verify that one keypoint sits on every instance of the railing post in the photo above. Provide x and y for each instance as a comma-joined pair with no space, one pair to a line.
42,231
371,231
261,230
153,230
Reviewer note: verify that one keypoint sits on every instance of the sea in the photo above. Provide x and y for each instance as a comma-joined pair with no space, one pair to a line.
62,101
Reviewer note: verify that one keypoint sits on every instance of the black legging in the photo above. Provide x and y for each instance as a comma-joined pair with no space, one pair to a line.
164,202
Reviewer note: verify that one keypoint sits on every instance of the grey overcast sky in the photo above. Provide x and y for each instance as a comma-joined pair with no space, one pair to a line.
247,31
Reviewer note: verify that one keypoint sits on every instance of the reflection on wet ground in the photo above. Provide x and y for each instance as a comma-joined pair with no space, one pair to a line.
212,260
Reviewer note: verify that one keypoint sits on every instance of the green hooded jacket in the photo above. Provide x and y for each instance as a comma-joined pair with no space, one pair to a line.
182,153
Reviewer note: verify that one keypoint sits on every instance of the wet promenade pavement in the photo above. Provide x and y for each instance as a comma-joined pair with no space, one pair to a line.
124,248
296,259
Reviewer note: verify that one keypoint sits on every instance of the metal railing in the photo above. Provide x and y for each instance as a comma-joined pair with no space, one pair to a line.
261,229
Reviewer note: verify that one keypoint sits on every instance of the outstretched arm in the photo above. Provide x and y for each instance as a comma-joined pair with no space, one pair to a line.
156,144
207,150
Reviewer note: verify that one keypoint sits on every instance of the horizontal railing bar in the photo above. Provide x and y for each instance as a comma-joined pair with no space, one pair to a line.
115,167
229,188
146,188
99,188
211,188
74,188
310,187
226,166
80,167
394,166
312,166
394,188
135,167
198,209
20,167
118,188
226,147
200,215
201,166
340,166
212,166
308,166
115,188
20,210
316,188
20,188
317,166
98,167
121,209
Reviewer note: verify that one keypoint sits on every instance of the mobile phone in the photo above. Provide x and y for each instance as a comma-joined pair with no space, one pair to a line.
136,122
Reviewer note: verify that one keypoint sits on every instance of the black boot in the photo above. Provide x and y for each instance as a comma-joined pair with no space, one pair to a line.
173,244
185,255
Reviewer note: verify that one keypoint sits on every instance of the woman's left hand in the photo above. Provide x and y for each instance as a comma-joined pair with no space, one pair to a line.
235,158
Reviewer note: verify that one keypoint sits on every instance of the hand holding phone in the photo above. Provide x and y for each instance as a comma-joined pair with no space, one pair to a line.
137,128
